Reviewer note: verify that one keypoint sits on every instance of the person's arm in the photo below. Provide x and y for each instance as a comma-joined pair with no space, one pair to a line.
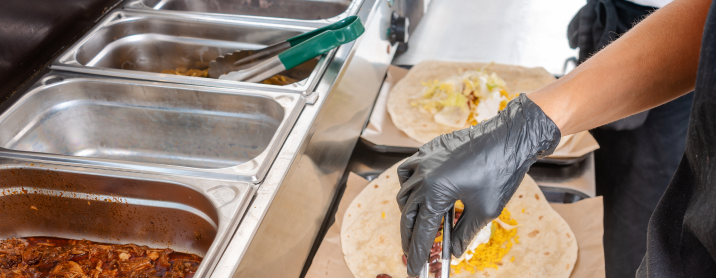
484,164
654,63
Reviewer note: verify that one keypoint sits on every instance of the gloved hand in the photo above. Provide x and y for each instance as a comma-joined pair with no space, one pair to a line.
482,166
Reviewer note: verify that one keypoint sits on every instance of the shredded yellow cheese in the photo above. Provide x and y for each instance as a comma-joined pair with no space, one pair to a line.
489,254
459,206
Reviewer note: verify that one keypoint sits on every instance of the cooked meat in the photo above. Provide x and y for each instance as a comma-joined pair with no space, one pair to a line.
20,271
153,255
131,249
383,276
102,252
11,252
32,256
8,260
4,273
124,256
54,255
164,258
12,244
67,269
79,251
61,258
279,80
137,264
177,271
189,265
182,268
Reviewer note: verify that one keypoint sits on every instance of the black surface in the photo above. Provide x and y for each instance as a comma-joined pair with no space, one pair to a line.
32,32
681,237
638,154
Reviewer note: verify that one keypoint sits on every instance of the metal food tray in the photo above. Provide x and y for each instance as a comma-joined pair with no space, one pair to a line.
140,45
198,216
312,11
149,126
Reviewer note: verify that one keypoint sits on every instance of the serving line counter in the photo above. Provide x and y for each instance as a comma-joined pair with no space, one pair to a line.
255,166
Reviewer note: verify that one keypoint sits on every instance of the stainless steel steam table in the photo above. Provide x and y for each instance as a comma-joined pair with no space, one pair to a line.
251,167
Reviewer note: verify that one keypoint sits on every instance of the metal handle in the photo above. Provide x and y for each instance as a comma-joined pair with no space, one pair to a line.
424,272
270,51
446,256
275,49
447,233
335,26
322,43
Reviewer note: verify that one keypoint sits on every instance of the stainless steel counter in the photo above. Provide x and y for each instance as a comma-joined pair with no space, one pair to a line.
284,219
526,33
266,234
278,224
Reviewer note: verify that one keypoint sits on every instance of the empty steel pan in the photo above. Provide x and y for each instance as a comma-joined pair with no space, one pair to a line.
152,126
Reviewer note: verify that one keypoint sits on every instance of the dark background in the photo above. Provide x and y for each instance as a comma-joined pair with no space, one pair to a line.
33,32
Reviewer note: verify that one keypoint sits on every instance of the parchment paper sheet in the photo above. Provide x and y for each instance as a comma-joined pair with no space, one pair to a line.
382,131
584,217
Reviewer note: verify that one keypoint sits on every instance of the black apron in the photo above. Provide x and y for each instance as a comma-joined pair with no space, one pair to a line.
681,239
638,155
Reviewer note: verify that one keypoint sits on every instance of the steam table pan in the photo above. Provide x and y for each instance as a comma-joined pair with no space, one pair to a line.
190,215
141,45
307,10
149,126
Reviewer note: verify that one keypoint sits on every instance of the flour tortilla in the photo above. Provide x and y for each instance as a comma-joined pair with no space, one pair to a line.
371,242
419,125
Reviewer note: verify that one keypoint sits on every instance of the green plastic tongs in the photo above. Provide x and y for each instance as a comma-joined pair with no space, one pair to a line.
253,66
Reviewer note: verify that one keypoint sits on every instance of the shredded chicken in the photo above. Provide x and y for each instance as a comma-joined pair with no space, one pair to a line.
62,258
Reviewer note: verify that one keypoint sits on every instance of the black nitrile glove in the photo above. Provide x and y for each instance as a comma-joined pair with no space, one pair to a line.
482,166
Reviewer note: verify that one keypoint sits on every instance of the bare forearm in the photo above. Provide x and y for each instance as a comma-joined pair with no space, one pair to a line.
654,63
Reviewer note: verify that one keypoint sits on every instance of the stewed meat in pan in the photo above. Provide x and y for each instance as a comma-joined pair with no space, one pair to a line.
41,257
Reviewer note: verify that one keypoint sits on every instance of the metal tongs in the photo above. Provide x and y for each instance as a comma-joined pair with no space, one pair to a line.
258,65
446,256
